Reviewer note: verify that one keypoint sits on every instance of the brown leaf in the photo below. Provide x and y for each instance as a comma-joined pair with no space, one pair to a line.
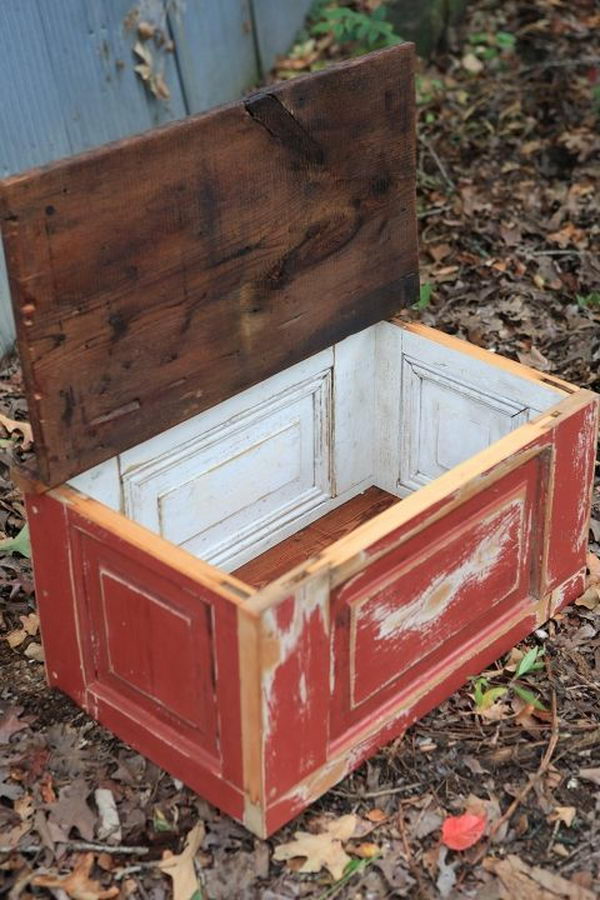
593,564
145,30
10,724
180,867
322,850
71,810
24,428
159,87
590,774
591,599
532,882
78,885
564,814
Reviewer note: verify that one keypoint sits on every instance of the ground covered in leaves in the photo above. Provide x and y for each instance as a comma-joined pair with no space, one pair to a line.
495,794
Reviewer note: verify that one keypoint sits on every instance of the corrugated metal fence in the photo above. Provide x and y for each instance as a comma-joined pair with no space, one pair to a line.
68,78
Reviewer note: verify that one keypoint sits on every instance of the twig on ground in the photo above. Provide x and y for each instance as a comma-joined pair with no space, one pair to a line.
442,168
79,846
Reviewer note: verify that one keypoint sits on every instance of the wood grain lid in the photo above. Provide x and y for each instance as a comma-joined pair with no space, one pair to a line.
155,277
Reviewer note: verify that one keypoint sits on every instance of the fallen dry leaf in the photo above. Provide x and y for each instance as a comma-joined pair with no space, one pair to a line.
10,724
472,63
531,882
78,884
590,600
564,814
462,832
593,564
322,850
590,775
72,811
24,428
180,867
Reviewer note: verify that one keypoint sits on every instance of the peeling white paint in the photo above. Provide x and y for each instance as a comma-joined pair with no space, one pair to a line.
312,599
421,612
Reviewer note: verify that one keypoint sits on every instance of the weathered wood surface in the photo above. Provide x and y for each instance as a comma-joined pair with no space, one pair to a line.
155,277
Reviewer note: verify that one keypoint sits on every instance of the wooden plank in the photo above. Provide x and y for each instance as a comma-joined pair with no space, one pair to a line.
215,49
154,278
277,24
315,537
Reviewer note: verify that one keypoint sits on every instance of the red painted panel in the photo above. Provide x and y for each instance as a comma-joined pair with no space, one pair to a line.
48,527
430,595
411,610
148,635
575,450
365,742
145,648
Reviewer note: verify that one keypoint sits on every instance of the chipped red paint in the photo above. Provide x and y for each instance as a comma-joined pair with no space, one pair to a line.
261,702
420,602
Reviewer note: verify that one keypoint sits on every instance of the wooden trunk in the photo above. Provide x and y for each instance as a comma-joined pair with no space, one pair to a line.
259,560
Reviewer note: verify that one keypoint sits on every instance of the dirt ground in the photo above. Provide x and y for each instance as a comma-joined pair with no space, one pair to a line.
508,206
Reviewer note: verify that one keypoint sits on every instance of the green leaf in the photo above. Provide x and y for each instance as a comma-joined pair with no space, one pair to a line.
592,299
425,293
479,37
19,544
479,688
528,662
490,696
528,697
505,40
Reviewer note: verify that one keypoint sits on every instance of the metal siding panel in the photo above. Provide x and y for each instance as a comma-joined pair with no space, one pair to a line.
31,120
277,24
215,51
92,67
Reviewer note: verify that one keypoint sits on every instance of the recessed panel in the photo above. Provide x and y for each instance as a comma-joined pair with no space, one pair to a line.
410,612
427,599
152,641
137,623
230,489
445,421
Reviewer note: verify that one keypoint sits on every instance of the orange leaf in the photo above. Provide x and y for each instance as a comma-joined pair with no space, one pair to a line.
461,832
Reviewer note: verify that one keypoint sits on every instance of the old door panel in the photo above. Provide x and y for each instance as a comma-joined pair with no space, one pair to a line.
418,604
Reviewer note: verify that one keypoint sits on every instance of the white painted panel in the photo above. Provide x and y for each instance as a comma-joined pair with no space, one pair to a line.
354,411
102,483
226,493
456,422
388,393
452,406
223,412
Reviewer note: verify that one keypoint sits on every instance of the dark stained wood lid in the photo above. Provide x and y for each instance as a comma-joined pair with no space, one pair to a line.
155,277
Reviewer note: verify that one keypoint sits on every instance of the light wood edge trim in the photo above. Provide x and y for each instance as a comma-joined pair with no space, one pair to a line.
454,486
249,649
500,362
227,586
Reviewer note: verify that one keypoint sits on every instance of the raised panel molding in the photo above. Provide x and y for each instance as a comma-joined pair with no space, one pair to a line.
227,493
444,421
